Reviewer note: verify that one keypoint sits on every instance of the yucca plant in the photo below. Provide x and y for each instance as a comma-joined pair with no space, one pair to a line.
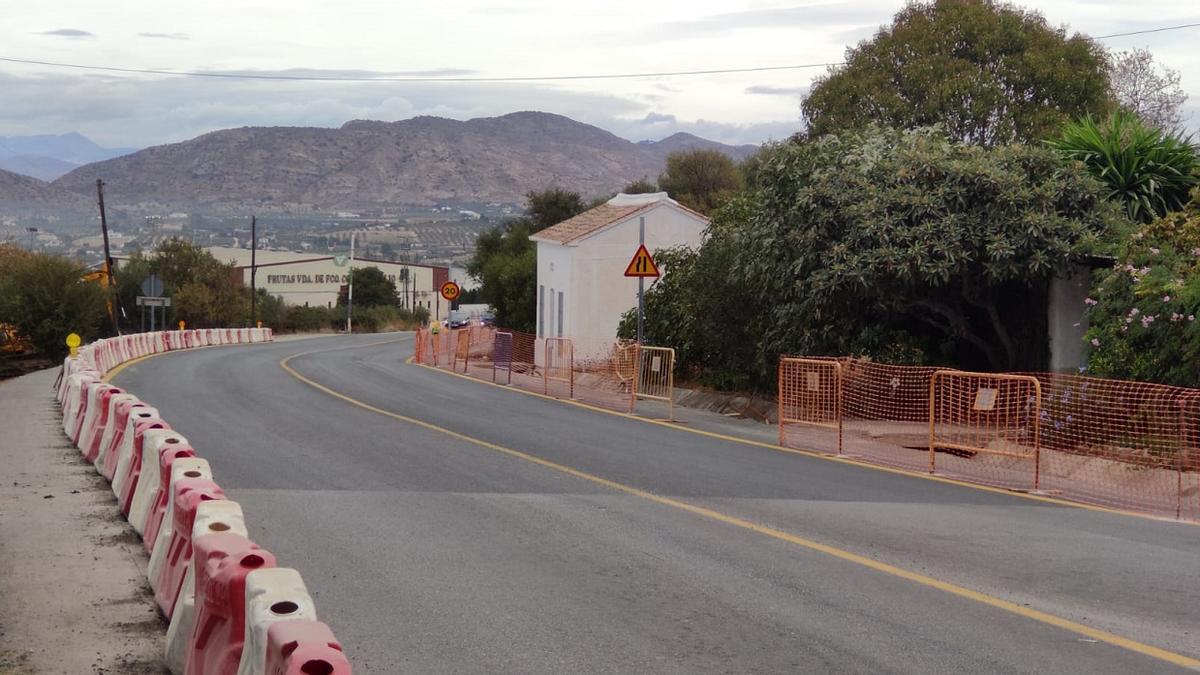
1149,170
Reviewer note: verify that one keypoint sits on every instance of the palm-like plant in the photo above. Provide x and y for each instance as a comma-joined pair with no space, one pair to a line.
1149,170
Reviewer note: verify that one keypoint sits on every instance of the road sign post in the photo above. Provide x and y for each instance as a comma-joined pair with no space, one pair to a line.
641,266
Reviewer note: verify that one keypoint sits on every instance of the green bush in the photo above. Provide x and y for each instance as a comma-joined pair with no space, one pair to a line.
43,297
1143,310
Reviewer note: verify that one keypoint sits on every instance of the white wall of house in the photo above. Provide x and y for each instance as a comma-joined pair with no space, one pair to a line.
589,273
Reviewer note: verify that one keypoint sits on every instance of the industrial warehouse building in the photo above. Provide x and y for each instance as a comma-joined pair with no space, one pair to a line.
582,290
314,280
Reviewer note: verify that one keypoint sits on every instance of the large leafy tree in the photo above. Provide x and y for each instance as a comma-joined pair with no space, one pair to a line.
700,179
902,245
988,73
505,260
204,291
1148,170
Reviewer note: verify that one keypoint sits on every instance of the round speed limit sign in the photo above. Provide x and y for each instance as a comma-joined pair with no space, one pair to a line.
450,291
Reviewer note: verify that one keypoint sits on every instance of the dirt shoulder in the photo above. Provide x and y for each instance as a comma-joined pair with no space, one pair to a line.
73,593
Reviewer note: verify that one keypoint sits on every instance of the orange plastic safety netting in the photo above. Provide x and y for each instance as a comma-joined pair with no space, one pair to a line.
1127,445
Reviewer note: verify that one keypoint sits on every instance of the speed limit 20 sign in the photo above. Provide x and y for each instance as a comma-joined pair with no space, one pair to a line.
450,291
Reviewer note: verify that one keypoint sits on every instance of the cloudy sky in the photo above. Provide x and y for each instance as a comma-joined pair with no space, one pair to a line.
480,38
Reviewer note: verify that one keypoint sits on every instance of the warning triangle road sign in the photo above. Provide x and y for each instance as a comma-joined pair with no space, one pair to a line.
642,264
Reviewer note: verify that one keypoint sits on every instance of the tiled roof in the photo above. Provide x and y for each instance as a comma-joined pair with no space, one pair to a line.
597,219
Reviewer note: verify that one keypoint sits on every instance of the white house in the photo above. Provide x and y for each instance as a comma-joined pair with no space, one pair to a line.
582,291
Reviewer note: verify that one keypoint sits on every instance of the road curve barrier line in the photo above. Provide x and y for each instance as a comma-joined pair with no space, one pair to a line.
781,535
816,454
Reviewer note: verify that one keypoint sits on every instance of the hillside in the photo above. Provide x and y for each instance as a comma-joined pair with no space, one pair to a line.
21,194
363,164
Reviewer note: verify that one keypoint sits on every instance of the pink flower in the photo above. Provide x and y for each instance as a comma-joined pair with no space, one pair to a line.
1154,251
1166,298
1175,316
1095,342
1196,252
1089,301
1129,319
1135,311
1191,317
1144,271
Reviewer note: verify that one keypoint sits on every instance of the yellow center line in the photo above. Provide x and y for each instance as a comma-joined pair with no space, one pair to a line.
781,535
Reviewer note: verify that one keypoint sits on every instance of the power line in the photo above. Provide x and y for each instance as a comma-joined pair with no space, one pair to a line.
523,78
1149,30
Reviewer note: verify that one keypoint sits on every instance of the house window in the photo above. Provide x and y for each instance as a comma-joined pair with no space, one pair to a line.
541,311
560,318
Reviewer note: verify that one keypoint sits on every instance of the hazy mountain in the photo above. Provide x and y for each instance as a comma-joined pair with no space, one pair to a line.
49,156
423,160
21,195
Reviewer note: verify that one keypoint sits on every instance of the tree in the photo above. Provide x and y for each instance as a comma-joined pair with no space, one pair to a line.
505,261
371,289
1143,89
900,245
1148,170
640,186
215,296
988,73
1143,309
700,179
44,298
505,264
552,206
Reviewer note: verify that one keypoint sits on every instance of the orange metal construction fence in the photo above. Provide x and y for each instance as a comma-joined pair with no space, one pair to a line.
614,374
1127,445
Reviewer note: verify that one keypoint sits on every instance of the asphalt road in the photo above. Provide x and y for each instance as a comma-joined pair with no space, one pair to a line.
544,537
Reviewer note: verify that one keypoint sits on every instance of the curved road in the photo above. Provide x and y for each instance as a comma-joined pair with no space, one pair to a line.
445,525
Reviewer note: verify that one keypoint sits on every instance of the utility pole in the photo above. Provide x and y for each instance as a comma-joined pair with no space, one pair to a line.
350,287
253,271
641,280
109,276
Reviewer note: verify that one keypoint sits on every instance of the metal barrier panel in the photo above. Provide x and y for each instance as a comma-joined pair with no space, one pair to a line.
559,364
462,349
986,427
502,354
654,377
810,394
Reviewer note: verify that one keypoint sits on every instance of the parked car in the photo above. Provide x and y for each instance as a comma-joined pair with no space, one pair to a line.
487,319
457,319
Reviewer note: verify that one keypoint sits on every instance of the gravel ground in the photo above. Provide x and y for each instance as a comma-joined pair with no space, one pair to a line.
73,595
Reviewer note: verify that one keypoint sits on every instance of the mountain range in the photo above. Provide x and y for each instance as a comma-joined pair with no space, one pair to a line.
365,164
46,157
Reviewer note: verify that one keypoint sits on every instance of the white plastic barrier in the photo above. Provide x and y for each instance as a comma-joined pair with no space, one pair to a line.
74,400
214,516
125,450
92,416
154,441
110,429
272,594
195,467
